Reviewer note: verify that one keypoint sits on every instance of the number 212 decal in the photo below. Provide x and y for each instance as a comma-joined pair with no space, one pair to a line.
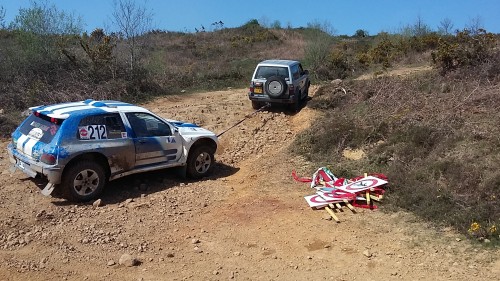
92,132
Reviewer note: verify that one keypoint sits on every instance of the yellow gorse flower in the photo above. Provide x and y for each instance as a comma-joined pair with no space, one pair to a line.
474,227
493,229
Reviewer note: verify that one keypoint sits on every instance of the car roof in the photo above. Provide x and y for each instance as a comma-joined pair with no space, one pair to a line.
278,62
86,107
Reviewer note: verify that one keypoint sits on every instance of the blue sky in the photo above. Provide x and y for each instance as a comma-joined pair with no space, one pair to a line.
343,15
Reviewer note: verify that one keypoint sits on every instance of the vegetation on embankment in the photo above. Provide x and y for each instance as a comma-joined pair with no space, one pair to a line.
435,134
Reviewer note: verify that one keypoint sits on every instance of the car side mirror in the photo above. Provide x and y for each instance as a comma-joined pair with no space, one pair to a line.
305,72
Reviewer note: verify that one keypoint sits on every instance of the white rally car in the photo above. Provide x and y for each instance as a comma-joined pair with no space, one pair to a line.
79,146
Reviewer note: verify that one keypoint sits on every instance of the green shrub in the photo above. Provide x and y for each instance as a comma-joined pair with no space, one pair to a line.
464,50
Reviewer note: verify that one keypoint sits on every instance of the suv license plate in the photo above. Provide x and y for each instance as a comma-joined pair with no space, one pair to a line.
257,90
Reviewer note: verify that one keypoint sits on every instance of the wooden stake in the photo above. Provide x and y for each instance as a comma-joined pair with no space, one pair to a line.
332,214
334,208
367,193
349,206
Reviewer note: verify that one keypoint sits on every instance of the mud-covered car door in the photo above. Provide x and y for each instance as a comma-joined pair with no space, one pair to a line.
105,133
155,141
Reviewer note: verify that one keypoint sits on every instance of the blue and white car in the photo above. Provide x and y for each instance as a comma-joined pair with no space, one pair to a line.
79,146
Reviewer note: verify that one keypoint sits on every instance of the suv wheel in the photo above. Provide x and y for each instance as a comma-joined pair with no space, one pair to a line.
83,181
275,86
200,162
306,94
256,104
297,103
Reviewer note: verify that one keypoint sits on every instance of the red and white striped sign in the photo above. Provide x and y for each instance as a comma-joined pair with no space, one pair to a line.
362,184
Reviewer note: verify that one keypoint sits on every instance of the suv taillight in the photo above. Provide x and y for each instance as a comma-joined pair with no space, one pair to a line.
48,158
251,87
291,89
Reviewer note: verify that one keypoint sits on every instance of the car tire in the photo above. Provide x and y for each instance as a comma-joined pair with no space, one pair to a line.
83,181
306,92
256,105
200,162
275,86
297,103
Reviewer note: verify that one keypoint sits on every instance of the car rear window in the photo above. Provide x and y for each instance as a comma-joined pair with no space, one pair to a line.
268,71
42,123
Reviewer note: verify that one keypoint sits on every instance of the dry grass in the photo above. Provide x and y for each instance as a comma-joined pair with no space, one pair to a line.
436,137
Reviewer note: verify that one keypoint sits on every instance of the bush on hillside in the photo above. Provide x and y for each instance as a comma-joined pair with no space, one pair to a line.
464,50
436,140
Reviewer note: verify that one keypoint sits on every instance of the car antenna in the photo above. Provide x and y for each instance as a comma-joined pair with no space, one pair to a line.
246,117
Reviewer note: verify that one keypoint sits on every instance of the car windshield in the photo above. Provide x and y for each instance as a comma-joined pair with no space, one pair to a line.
268,71
44,129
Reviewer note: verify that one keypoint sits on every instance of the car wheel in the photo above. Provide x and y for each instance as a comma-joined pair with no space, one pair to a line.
83,181
200,162
275,86
306,92
297,103
256,105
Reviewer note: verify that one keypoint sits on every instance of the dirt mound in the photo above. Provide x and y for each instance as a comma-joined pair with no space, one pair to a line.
249,221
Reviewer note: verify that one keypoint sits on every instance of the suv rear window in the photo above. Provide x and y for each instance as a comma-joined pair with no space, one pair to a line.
48,128
268,71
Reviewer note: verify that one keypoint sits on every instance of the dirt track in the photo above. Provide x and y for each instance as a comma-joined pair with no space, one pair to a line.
248,222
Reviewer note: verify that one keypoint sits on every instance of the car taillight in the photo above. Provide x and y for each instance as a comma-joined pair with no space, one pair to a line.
48,158
251,87
291,89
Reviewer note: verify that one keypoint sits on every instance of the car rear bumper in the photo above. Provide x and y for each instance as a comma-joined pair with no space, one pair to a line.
33,168
265,98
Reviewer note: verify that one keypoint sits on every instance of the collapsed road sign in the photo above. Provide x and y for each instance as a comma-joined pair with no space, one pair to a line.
332,193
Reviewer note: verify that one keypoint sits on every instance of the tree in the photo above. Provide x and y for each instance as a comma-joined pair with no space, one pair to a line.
276,24
361,33
445,27
42,19
475,25
99,48
326,27
132,20
42,30
420,28
264,21
218,25
2,17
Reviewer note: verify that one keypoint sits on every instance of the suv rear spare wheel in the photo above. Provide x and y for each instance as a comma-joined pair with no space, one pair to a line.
275,86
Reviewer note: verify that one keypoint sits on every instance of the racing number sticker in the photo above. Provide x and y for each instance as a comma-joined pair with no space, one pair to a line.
93,132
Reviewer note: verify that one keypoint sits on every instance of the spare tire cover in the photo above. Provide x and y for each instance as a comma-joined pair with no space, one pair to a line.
275,86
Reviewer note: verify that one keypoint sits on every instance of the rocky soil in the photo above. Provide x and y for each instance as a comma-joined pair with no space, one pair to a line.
248,221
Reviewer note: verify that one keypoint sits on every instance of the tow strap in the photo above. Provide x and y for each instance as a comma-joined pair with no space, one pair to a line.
246,117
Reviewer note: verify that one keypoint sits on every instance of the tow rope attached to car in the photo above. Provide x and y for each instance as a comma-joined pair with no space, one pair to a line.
246,117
